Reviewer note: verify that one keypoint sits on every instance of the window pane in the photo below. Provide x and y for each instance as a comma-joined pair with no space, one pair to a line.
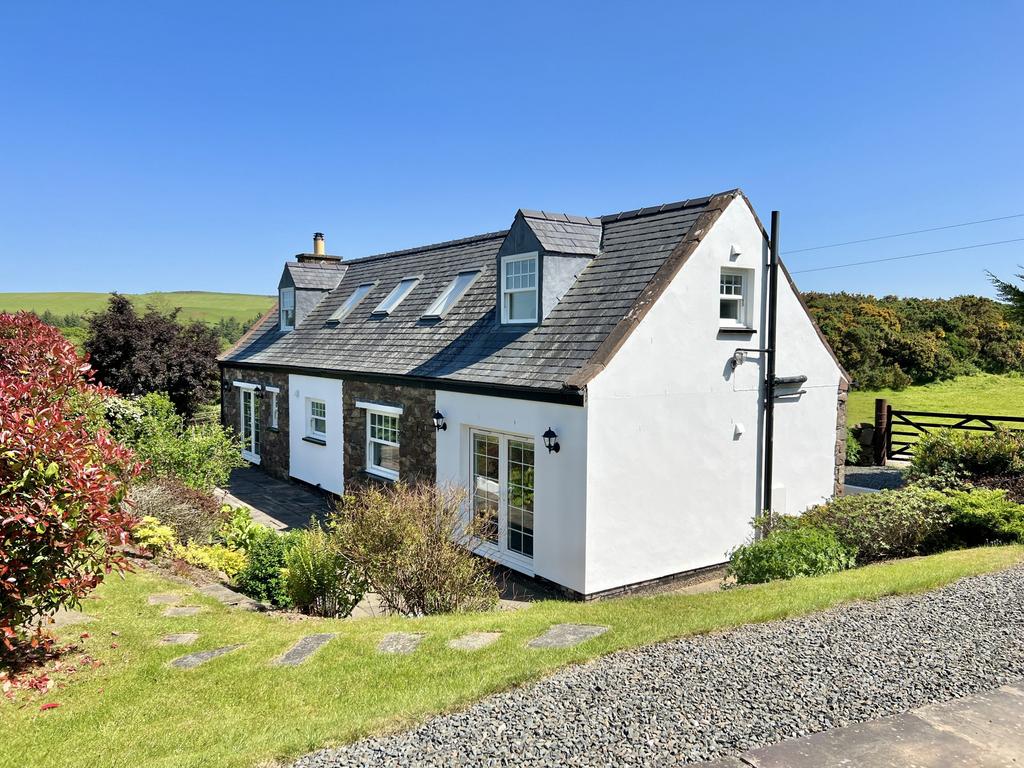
351,302
521,274
729,309
732,285
396,296
450,295
520,497
485,486
385,456
522,305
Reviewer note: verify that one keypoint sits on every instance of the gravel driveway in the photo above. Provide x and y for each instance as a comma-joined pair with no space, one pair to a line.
694,699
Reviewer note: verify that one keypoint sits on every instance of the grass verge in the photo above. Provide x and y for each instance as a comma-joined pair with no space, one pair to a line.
238,711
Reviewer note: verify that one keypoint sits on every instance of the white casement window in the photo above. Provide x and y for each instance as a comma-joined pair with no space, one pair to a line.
734,298
273,409
287,304
519,289
316,419
382,443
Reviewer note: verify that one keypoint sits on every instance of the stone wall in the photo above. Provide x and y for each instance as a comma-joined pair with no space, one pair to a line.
417,452
273,443
844,388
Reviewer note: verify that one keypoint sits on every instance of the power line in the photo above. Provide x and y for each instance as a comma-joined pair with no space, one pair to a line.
908,256
904,234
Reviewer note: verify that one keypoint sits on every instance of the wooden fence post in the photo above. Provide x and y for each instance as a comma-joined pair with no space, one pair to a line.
880,443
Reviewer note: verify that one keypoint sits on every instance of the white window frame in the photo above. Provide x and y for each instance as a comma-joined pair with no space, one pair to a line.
500,551
450,296
282,310
311,432
742,299
273,407
246,389
389,412
507,292
397,296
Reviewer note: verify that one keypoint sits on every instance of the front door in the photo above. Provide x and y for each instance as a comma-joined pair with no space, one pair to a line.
502,491
249,429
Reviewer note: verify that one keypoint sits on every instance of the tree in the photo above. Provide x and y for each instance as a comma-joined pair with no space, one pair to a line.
138,354
62,478
1011,294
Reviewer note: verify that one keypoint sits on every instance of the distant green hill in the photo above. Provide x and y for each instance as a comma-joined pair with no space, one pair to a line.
195,305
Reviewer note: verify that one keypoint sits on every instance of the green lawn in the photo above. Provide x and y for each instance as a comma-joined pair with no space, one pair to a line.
195,305
986,394
238,711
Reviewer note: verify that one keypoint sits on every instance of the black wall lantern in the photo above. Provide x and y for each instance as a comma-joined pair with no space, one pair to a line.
439,423
551,441
259,389
225,386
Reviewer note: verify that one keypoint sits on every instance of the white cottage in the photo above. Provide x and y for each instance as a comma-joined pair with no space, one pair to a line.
597,385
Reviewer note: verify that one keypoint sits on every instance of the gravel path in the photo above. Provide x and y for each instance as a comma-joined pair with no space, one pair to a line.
703,697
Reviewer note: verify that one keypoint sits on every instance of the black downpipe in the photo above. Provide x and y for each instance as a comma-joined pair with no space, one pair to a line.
769,385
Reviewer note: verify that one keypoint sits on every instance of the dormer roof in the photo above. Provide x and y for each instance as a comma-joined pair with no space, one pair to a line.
564,233
320,276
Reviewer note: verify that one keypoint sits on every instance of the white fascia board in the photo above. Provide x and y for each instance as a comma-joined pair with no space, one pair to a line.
394,410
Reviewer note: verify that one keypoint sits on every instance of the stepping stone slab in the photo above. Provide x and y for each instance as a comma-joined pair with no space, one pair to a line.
181,638
399,642
229,597
68,616
178,611
566,635
474,641
193,660
302,650
164,598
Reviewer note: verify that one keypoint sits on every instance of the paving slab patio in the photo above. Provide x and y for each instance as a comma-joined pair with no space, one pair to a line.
984,730
277,504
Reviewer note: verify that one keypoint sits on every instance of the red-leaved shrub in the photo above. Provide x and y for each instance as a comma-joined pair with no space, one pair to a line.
62,480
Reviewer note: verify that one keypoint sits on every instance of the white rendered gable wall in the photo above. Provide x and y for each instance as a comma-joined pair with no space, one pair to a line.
311,462
674,451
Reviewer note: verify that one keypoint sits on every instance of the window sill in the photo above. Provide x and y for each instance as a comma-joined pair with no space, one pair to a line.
314,440
738,330
377,474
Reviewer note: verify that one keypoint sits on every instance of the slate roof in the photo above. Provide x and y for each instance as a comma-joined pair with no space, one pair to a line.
639,252
323,276
562,233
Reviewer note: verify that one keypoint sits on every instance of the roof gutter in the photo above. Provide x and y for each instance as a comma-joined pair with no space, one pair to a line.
565,396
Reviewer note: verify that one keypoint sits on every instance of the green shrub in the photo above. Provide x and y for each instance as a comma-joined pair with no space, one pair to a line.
153,535
194,515
788,552
201,455
853,448
213,557
263,578
982,516
239,530
969,454
412,548
319,579
878,526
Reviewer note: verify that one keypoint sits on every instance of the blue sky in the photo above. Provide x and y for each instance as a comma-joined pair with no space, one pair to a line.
173,146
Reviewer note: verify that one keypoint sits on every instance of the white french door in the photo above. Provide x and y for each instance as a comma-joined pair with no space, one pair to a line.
502,493
249,428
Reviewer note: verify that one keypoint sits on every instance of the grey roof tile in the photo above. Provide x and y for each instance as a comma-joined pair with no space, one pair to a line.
627,250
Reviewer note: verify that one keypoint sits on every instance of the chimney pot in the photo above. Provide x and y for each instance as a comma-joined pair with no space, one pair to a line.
318,244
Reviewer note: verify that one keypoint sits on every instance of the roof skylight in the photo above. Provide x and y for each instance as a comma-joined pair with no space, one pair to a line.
450,295
397,295
351,303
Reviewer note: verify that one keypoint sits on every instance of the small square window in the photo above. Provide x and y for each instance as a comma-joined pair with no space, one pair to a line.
316,419
733,294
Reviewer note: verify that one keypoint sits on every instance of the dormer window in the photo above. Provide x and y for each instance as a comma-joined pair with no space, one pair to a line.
286,301
519,289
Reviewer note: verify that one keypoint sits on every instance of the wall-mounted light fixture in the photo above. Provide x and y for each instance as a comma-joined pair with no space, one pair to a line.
738,358
439,423
551,441
258,390
225,386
